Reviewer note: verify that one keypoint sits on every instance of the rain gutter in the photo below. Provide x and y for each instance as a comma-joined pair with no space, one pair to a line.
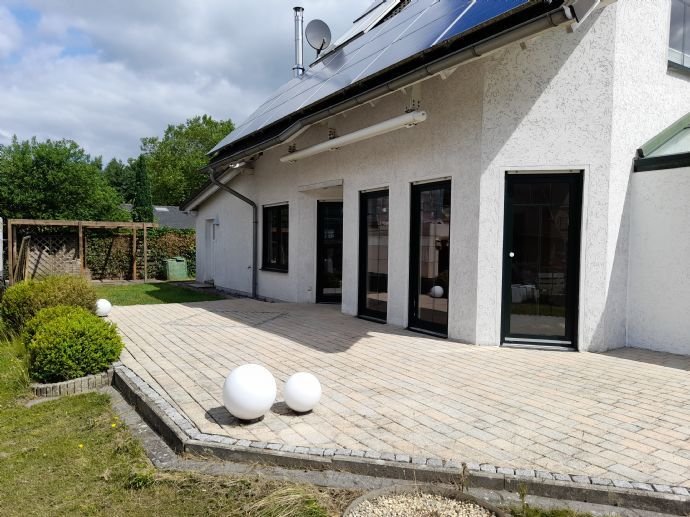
561,16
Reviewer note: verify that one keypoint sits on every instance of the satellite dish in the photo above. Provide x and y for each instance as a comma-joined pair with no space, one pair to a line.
318,35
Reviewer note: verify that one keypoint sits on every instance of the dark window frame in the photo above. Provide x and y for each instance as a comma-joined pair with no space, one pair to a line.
267,243
682,62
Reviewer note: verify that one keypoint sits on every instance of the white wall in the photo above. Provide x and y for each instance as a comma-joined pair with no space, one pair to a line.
659,283
566,101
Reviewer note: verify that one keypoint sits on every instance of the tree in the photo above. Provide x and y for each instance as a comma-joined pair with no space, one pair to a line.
142,208
55,180
120,176
174,160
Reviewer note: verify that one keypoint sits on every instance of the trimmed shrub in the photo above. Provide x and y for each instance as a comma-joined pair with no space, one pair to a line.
22,301
67,344
47,315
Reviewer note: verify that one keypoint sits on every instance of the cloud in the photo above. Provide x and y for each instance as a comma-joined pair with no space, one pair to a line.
10,35
110,72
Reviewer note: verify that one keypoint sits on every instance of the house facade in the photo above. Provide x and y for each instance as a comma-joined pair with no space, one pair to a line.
501,216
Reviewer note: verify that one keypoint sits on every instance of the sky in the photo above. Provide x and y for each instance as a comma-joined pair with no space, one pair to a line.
106,73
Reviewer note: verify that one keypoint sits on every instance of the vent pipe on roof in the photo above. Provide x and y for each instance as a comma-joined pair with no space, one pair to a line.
298,69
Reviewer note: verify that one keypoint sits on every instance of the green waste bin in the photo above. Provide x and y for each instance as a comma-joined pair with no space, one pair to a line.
176,268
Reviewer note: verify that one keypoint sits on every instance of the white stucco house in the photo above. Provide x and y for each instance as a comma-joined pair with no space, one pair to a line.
467,168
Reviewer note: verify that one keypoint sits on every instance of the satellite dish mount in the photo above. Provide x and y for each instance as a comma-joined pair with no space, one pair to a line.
318,35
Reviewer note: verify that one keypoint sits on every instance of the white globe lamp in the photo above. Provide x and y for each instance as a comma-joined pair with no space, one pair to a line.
103,307
249,392
436,291
302,392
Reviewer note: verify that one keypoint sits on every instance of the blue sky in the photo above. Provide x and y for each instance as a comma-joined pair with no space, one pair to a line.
106,73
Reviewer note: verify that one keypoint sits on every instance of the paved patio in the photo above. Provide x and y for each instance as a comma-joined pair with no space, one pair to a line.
622,415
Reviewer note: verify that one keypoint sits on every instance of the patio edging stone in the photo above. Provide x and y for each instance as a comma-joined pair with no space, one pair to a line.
183,436
73,386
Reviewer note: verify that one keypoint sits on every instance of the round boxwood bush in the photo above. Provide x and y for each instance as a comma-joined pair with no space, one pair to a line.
22,301
70,342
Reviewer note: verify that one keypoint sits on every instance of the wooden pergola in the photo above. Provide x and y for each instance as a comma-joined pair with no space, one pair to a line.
13,224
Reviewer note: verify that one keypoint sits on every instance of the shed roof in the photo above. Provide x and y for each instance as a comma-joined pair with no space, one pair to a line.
670,149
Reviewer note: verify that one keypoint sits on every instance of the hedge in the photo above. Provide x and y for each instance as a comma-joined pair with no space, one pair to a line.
22,301
70,342
109,252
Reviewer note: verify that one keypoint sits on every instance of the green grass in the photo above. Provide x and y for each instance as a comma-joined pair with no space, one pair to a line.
147,294
529,511
73,456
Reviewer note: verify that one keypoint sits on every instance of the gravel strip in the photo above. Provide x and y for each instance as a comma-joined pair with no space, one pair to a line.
418,505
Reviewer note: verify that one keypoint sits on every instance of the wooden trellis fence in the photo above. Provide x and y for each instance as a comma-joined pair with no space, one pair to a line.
44,254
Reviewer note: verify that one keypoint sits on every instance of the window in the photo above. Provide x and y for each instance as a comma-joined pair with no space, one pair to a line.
275,238
679,41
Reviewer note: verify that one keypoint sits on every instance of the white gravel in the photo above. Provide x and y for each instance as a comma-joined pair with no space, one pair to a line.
418,505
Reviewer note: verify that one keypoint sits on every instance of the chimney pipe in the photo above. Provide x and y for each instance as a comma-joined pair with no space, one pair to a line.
298,69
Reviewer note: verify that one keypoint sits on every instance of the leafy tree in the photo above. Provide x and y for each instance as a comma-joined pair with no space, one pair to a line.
174,160
142,209
120,176
55,179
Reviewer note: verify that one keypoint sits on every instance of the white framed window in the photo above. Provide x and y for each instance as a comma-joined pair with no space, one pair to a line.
679,41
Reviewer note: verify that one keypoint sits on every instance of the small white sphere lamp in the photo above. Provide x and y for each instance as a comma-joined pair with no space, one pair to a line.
302,392
249,391
103,307
436,291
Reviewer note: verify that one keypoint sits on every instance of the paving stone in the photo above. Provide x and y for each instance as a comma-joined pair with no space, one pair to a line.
372,455
485,467
389,389
562,477
679,490
619,483
505,471
258,445
388,456
602,481
542,474
664,489
525,473
287,448
434,462
357,454
243,443
418,460
643,486
583,480
403,458
315,451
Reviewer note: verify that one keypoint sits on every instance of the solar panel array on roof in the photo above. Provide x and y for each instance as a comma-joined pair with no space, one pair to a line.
421,25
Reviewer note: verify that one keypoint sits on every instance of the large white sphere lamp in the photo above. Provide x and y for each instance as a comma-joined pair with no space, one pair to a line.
302,392
249,391
103,307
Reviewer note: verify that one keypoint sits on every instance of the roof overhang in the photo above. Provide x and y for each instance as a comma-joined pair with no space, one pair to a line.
526,24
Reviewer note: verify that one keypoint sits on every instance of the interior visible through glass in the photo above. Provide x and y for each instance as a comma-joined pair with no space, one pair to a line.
331,252
434,255
539,258
376,300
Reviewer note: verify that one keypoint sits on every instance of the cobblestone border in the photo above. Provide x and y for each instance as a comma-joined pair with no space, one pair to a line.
183,436
80,385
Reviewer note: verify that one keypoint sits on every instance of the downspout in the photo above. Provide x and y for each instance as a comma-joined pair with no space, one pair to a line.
255,225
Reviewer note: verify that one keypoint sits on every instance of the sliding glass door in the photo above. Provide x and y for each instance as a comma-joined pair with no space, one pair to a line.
430,257
373,255
329,252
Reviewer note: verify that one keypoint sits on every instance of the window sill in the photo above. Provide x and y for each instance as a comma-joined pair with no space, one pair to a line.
274,270
678,68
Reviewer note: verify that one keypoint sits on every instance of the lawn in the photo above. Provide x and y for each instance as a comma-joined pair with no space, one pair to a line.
147,294
73,456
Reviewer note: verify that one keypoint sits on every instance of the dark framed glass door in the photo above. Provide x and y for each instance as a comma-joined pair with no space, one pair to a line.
373,255
329,252
430,257
541,261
